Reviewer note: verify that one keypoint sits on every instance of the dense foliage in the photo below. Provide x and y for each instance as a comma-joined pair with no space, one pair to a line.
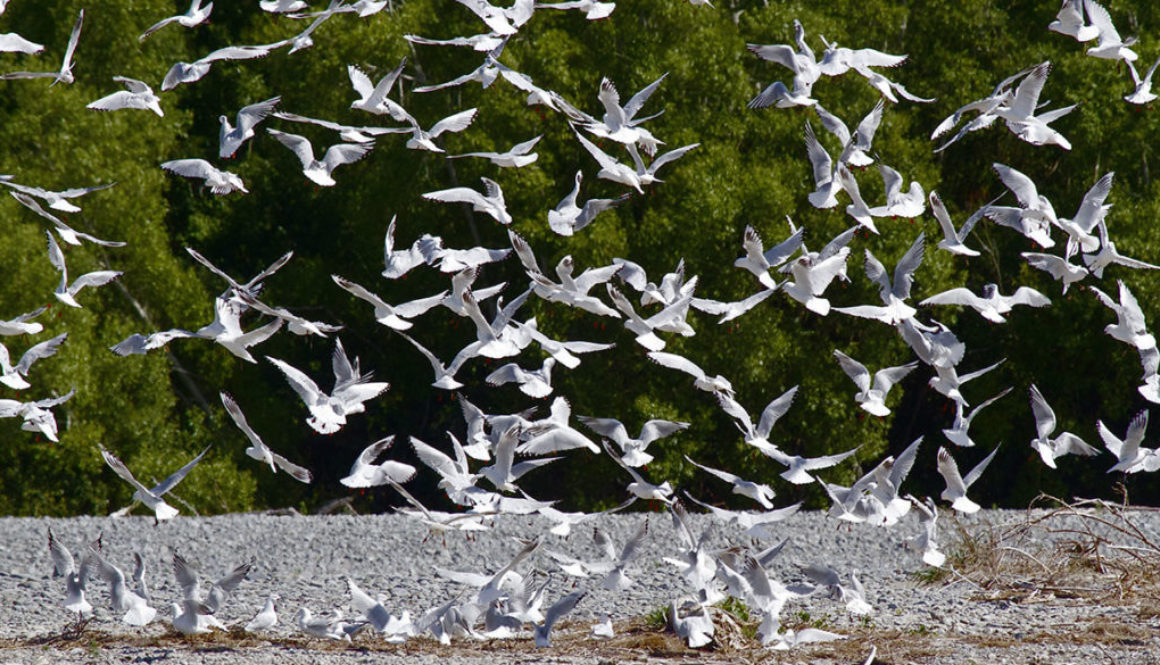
156,411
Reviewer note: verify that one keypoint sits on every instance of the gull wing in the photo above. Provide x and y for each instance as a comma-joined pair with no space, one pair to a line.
179,475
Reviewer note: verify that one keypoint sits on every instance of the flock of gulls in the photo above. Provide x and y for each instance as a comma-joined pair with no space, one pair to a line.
481,472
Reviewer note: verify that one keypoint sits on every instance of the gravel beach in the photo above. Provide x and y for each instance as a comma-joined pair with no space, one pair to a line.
1039,615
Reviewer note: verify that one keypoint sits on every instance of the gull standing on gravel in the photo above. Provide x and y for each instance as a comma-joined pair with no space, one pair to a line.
231,137
135,608
193,17
75,577
152,497
218,181
138,96
267,618
258,449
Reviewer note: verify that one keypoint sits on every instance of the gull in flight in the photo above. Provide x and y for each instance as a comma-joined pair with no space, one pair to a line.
373,98
519,155
826,181
893,293
958,432
21,325
854,146
1069,20
857,207
759,492
1110,45
991,305
1142,94
872,397
1130,326
1049,448
10,42
535,383
503,472
365,473
957,485
55,200
671,318
568,217
328,412
399,262
502,21
66,232
65,292
152,497
65,75
1058,267
14,376
395,317
812,275
1108,255
554,434
138,96
425,139
194,16
594,10
319,170
610,168
953,240
1020,116
231,137
701,380
1130,456
444,374
759,261
218,181
258,449
639,487
632,449
907,205
37,415
758,436
491,203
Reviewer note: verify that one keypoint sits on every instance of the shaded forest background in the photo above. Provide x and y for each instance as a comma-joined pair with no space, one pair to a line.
158,410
